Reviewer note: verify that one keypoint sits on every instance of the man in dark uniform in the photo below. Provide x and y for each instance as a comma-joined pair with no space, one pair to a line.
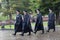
18,23
26,24
39,22
51,20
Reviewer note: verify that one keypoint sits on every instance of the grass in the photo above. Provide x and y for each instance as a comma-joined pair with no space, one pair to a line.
3,18
33,25
8,27
12,26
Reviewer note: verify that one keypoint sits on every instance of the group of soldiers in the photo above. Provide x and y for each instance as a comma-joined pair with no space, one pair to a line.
24,24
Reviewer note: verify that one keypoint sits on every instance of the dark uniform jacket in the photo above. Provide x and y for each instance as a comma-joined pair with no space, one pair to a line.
51,20
39,22
26,23
18,24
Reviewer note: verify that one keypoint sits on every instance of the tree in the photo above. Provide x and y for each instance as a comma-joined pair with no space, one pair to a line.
0,6
10,6
54,5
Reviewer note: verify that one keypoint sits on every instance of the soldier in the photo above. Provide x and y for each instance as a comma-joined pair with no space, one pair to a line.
18,23
26,24
51,20
39,22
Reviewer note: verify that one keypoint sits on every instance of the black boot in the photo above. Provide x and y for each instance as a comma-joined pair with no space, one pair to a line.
42,32
54,30
22,34
29,34
15,34
35,32
48,30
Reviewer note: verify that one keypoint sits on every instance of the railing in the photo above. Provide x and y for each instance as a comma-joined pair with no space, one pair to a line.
7,22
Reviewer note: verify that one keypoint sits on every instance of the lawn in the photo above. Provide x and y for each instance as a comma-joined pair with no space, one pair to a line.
12,26
3,18
8,27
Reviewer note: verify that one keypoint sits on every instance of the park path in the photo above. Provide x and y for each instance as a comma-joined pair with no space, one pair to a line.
7,35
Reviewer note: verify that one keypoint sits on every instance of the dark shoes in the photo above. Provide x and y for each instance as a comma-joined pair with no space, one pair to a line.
42,33
47,30
29,34
22,34
14,34
53,31
34,32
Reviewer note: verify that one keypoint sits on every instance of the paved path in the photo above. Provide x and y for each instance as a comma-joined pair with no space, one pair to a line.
7,35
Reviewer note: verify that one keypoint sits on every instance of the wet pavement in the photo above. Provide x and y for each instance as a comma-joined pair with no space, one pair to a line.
7,35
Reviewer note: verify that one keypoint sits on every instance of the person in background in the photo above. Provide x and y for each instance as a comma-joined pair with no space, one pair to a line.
31,15
3,26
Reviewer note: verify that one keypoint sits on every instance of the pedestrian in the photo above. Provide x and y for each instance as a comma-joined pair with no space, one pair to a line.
51,20
26,24
39,22
18,23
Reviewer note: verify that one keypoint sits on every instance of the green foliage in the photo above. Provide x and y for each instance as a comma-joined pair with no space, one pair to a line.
4,17
10,6
53,4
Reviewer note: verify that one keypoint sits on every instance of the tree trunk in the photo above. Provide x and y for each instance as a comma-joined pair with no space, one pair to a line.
10,16
58,18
